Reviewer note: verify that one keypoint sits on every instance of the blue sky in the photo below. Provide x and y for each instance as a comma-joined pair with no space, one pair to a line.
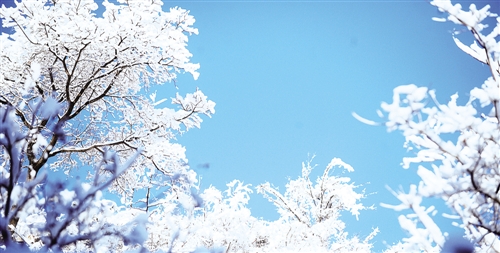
286,76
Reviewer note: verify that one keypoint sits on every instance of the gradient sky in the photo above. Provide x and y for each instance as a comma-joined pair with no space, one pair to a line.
286,76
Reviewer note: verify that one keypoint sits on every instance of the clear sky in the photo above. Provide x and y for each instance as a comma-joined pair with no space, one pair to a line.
286,76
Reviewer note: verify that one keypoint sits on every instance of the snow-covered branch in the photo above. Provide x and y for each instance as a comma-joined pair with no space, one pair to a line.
47,214
465,170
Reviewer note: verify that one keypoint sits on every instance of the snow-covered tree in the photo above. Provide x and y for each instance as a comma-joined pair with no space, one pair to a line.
310,213
457,147
310,218
75,89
